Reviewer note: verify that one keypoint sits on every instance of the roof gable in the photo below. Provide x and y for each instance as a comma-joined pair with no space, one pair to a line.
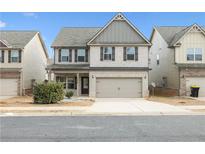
3,44
74,36
119,31
172,34
181,34
16,39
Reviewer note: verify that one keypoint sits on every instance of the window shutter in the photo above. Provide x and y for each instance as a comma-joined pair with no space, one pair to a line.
136,53
19,56
101,53
2,54
9,56
70,55
76,55
124,54
86,55
75,82
113,53
59,55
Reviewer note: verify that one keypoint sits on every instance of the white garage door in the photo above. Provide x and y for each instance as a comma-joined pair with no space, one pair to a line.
118,87
8,87
198,81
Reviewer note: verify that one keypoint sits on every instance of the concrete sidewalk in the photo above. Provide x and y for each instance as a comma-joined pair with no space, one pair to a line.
104,106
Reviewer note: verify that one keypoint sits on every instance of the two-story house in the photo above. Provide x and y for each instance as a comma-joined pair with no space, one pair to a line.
111,61
178,58
23,59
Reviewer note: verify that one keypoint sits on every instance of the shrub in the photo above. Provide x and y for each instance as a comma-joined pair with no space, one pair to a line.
47,93
69,94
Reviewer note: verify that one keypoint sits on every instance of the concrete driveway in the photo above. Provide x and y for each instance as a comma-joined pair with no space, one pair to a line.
132,106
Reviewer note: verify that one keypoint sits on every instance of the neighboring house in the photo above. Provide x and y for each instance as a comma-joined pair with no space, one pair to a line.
23,59
178,58
111,61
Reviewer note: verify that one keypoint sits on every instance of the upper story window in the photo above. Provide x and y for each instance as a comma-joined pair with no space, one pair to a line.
107,53
1,56
130,51
194,54
64,55
157,59
81,55
14,56
198,54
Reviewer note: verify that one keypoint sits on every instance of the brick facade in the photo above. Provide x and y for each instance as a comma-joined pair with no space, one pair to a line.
189,72
12,75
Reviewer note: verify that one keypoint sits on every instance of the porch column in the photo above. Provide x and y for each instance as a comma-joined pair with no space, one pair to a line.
78,85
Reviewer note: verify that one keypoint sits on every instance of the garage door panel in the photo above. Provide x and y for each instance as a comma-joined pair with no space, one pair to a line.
8,87
198,81
119,87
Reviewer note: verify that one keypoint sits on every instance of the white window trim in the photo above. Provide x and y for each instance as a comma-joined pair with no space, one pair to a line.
130,54
67,51
194,49
107,54
12,51
66,82
84,55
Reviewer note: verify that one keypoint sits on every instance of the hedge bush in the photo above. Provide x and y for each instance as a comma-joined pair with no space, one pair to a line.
69,94
48,93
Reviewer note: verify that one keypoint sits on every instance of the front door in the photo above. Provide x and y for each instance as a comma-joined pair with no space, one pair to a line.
85,85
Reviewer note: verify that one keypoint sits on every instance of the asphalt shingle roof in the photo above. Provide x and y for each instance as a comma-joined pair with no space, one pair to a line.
17,39
78,36
172,34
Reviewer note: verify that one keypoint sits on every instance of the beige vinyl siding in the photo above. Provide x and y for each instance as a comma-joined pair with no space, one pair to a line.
166,67
34,62
190,40
56,52
119,62
6,64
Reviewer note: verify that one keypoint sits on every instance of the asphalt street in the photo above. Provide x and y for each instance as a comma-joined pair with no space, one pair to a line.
102,128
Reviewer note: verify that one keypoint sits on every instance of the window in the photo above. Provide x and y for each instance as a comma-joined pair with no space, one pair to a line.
190,54
71,83
157,59
198,54
81,55
107,53
14,56
194,54
64,55
61,79
130,51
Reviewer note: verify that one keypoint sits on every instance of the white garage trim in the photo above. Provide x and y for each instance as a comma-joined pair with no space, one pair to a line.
198,81
115,87
8,87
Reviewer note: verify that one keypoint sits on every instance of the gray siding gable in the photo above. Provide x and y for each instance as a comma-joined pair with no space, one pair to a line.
119,32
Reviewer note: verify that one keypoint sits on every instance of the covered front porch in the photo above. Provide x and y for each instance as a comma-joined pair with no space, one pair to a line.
76,82
74,78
